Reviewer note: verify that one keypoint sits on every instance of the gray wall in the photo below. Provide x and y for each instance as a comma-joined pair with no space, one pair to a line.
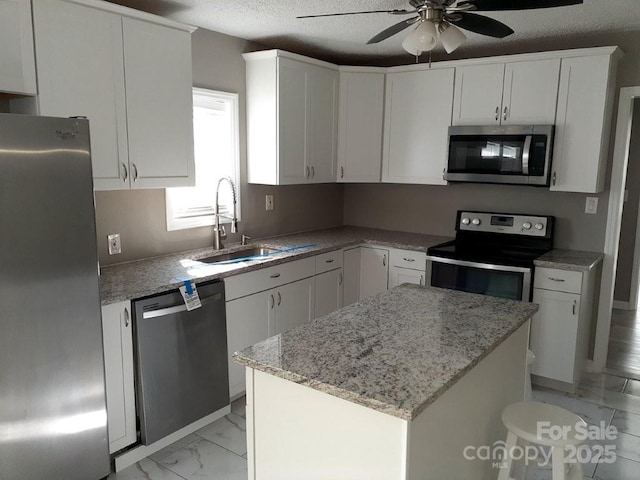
139,215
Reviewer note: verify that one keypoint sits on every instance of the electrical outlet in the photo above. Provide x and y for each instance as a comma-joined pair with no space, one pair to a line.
114,244
591,205
268,202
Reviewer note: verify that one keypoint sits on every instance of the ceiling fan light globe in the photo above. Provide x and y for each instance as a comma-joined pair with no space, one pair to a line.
451,37
423,38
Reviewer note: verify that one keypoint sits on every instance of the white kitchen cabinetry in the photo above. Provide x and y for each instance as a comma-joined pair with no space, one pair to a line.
292,105
118,365
418,108
351,276
328,283
560,330
361,112
374,271
585,102
17,71
407,267
516,93
131,77
292,306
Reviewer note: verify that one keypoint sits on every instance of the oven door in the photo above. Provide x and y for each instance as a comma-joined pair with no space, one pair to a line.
495,280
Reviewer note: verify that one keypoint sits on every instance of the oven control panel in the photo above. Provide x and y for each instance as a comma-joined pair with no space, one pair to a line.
527,225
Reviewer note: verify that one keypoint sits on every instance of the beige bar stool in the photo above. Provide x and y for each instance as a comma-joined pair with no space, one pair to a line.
522,420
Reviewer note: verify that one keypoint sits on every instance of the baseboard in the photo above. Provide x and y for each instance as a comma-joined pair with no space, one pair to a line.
139,452
621,305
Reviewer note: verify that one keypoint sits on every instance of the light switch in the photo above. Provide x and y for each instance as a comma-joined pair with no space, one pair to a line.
114,244
591,205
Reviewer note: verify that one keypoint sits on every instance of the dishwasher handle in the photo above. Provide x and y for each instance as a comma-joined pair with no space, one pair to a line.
163,312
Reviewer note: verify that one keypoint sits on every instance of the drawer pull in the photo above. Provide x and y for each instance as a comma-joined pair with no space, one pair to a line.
340,281
422,280
279,299
126,317
275,275
553,279
409,259
329,261
273,301
574,307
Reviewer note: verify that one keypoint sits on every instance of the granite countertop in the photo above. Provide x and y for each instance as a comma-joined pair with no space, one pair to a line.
574,260
140,278
396,352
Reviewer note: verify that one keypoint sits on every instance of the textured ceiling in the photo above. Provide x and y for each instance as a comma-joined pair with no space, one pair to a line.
273,23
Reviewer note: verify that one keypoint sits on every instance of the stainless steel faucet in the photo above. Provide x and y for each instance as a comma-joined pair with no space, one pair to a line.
219,232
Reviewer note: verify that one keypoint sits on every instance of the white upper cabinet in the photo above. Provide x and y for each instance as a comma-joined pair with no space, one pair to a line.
131,78
17,67
417,119
585,102
514,93
292,114
361,111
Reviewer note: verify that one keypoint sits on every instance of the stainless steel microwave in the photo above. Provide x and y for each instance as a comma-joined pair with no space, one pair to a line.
510,154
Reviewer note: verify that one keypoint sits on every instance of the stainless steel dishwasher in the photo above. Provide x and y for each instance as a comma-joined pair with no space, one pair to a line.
181,371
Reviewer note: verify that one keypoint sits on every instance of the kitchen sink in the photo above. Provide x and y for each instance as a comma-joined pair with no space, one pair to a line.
247,253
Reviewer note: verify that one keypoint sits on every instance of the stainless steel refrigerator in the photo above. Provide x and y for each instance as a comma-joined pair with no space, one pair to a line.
53,421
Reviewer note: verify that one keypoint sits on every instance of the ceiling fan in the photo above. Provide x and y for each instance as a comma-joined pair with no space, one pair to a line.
443,19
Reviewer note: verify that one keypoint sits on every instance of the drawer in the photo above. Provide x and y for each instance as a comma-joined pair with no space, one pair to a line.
328,261
409,259
558,280
266,278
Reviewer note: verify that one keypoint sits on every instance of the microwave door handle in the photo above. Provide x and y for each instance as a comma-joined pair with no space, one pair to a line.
525,154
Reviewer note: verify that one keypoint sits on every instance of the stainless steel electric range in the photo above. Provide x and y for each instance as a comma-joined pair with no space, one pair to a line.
492,254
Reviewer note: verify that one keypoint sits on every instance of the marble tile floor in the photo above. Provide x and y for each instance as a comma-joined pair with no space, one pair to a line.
624,343
602,398
218,451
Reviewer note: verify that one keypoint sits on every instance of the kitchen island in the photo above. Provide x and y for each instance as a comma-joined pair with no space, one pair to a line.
393,387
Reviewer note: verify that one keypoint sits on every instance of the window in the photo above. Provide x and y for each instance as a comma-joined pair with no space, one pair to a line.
216,151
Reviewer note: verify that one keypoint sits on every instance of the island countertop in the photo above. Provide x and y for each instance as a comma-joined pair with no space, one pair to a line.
396,352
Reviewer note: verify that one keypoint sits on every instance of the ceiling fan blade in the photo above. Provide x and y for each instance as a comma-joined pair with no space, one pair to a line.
480,24
392,30
498,5
393,12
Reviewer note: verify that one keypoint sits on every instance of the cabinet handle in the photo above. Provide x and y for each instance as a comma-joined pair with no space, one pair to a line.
504,113
125,177
313,172
497,113
307,172
574,307
553,179
384,260
553,279
273,301
422,280
135,172
409,259
279,299
274,275
126,317
329,261
341,172
340,279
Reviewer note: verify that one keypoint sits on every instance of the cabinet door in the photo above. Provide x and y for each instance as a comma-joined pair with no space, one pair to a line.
18,72
530,92
292,122
361,110
554,334
582,125
81,73
118,368
157,63
247,324
417,119
351,276
294,305
478,94
398,276
328,292
374,271
322,119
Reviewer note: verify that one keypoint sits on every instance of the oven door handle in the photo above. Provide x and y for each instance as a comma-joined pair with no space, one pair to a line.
485,266
526,151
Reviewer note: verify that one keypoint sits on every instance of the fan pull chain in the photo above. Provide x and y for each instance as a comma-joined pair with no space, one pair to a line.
429,58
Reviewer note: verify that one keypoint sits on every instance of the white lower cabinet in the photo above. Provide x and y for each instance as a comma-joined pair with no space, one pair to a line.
374,271
398,276
351,275
560,330
328,292
118,366
256,317
407,266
